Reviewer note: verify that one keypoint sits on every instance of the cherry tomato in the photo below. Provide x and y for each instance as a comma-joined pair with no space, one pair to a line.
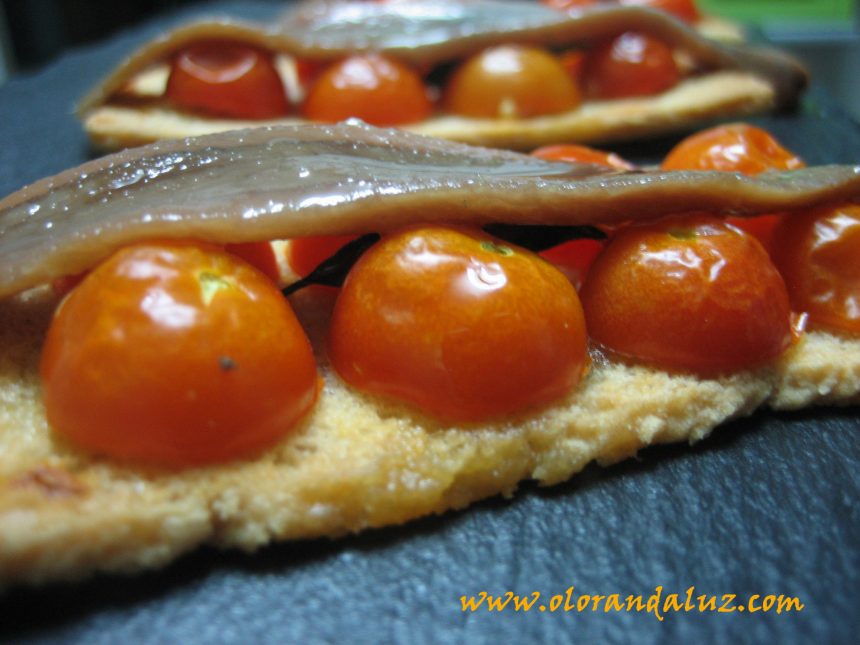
305,253
573,258
631,64
227,79
307,71
176,354
735,147
567,5
63,285
573,153
572,62
376,89
511,81
688,293
686,10
459,324
260,255
818,254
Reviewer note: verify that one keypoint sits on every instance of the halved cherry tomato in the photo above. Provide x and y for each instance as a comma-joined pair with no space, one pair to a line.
688,293
735,147
574,153
63,285
511,81
176,354
459,324
574,257
307,71
818,254
374,88
686,10
227,79
304,254
631,64
259,255
567,5
572,61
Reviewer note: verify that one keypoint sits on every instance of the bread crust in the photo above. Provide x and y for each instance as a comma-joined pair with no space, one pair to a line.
355,462
691,102
722,79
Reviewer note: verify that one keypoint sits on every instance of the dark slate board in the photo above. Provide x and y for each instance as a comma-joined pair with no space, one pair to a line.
767,505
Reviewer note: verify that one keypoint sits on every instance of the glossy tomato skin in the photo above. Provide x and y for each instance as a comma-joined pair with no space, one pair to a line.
371,87
570,5
304,254
259,255
629,65
176,354
688,294
511,81
736,147
574,258
818,254
458,324
227,79
574,153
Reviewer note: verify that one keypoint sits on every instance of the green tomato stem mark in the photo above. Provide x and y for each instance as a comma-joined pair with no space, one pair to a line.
211,284
683,234
498,249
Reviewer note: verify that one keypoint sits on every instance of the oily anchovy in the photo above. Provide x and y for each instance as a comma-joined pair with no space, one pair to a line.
432,32
292,181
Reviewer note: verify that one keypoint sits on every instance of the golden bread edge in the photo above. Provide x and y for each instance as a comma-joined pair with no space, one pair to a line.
691,102
355,462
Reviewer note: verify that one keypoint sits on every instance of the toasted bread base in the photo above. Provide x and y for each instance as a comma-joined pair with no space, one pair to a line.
355,462
691,102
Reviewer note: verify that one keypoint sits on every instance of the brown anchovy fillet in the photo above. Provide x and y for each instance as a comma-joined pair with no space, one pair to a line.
428,33
291,181
433,31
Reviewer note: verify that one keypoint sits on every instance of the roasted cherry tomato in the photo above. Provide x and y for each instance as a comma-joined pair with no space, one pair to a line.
574,258
511,81
259,255
63,285
572,61
573,153
376,89
567,5
818,254
686,10
688,293
736,147
305,253
176,354
459,324
631,64
227,79
307,71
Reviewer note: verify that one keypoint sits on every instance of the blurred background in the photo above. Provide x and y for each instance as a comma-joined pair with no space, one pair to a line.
823,33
